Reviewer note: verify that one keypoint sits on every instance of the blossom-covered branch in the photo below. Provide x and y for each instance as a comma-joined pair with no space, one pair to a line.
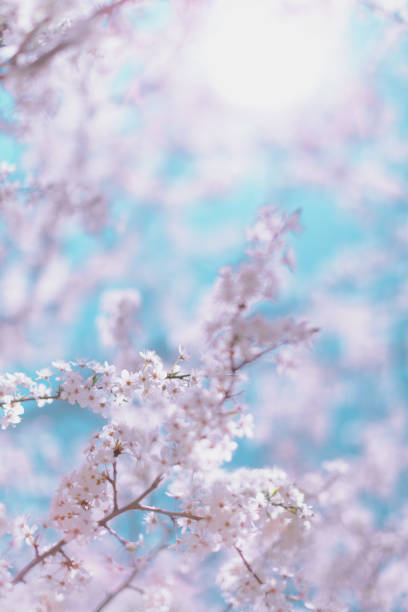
191,434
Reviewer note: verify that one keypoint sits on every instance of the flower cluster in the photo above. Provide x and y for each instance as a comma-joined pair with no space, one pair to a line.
257,515
237,506
15,389
179,425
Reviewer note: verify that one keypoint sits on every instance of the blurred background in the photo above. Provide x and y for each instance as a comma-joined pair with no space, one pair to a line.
133,159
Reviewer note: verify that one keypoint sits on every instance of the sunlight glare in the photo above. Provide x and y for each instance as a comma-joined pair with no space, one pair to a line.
258,56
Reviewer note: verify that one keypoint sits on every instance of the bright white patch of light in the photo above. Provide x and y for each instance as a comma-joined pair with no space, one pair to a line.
256,55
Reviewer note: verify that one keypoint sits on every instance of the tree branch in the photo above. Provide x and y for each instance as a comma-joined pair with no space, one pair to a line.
121,587
127,583
134,505
171,513
78,32
48,553
247,565
32,398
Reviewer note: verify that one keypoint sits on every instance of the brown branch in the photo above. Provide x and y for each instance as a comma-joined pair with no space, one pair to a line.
116,535
261,582
114,485
32,398
260,354
38,559
234,368
108,9
45,57
268,349
78,33
134,505
127,583
247,565
152,487
121,587
24,43
171,513
102,523
179,376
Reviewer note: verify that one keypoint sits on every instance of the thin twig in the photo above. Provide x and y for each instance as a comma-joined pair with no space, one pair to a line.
179,376
31,398
25,42
114,485
152,487
117,536
247,565
48,553
120,588
171,513
134,505
127,583
102,523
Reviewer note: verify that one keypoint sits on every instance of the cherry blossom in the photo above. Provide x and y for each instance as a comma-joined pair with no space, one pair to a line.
120,138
